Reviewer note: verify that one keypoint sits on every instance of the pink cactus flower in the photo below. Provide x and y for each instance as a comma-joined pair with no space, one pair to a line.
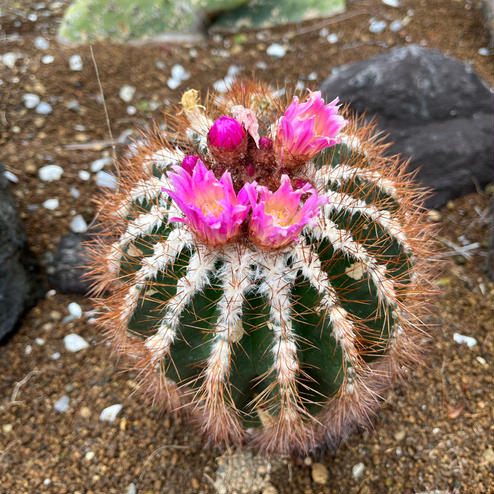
189,162
278,217
306,129
211,208
226,134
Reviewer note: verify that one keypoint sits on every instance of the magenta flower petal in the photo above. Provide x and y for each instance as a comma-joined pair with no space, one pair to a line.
279,217
307,128
210,206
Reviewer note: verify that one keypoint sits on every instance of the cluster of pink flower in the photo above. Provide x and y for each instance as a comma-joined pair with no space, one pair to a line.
216,213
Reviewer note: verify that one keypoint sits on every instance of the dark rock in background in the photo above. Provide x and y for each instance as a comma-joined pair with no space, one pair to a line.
64,270
436,110
20,285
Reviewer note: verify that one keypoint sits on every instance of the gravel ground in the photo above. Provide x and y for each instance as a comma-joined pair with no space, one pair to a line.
436,435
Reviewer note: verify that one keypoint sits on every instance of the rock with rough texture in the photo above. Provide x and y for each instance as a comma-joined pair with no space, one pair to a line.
131,21
19,279
241,471
268,13
435,109
65,271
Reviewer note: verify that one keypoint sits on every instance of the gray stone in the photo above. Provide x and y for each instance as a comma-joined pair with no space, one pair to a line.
19,277
436,110
64,270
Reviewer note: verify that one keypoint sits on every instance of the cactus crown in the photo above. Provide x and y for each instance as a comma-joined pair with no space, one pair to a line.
266,268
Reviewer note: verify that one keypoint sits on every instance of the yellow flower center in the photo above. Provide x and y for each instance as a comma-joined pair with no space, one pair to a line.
281,216
213,208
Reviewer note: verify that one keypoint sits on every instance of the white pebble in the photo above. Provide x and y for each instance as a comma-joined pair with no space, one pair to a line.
9,59
89,456
55,356
31,100
49,173
62,404
99,164
276,50
40,43
462,339
233,70
222,85
173,83
261,65
28,350
74,192
47,481
300,86
179,73
333,38
75,63
131,488
126,93
47,59
104,179
483,51
391,3
109,414
10,177
74,343
39,341
84,175
377,27
78,224
44,108
131,110
312,76
396,26
357,471
51,204
75,310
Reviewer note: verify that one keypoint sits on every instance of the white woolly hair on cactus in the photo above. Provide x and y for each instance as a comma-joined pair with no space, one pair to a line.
265,268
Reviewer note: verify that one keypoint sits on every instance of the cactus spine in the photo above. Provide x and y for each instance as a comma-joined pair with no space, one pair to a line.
284,347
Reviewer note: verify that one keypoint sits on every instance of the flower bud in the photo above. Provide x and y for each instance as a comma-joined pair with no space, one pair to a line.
189,163
226,133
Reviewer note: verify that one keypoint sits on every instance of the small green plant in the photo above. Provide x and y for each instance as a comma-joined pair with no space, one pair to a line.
263,267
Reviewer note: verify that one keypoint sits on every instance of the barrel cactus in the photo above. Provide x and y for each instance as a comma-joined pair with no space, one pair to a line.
262,266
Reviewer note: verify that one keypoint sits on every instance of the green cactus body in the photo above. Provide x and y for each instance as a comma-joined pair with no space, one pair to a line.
286,348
